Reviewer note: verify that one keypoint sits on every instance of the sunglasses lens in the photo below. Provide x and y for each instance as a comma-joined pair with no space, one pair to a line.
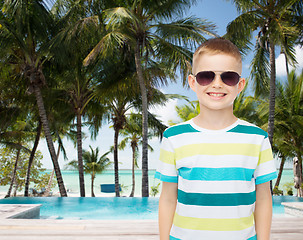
204,78
230,78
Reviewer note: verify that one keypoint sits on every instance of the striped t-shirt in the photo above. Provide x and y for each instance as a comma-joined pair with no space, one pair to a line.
216,172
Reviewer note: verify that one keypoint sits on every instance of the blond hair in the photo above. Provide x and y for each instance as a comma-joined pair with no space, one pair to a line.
217,46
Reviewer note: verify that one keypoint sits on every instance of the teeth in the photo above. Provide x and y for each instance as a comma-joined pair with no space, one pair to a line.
217,94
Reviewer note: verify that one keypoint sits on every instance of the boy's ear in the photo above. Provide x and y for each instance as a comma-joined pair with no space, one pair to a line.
191,82
241,85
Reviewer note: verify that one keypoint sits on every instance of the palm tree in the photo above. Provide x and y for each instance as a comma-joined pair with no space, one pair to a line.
132,132
133,136
25,32
276,24
93,164
79,83
31,158
289,114
18,135
118,108
143,26
289,122
244,107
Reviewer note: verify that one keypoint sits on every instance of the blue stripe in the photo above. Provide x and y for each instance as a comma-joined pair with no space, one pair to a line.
221,199
249,130
166,178
266,178
253,238
217,174
173,238
179,129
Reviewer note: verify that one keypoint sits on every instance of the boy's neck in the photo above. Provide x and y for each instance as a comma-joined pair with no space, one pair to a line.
215,120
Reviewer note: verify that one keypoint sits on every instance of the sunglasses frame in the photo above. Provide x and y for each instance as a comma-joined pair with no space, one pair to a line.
222,79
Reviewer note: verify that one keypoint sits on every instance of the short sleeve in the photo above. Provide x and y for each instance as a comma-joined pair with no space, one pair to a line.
166,170
266,169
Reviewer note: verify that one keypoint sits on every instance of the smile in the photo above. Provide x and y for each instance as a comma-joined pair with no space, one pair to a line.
217,94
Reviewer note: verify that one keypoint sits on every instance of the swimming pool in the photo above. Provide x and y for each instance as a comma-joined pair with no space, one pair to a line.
91,208
278,209
110,207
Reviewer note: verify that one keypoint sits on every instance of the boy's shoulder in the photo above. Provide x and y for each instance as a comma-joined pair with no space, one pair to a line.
248,128
180,128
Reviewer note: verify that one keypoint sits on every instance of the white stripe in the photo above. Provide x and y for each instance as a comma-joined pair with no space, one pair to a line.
212,235
265,145
196,186
243,122
211,161
194,138
214,211
167,169
166,145
265,168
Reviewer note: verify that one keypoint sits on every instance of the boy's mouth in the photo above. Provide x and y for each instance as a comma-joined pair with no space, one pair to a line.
218,95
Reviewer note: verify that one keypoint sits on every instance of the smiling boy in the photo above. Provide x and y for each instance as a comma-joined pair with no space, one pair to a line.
215,167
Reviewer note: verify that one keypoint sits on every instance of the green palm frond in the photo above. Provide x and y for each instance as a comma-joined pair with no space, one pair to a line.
243,5
186,32
105,46
166,9
117,17
240,30
260,70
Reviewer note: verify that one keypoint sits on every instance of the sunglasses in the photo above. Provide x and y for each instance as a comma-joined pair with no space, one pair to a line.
206,77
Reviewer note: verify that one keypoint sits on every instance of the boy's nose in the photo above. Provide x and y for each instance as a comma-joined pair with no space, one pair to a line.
217,82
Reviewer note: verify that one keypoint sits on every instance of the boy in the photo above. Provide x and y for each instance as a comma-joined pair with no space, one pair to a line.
215,167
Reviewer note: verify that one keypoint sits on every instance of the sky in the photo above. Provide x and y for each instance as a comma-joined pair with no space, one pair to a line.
219,12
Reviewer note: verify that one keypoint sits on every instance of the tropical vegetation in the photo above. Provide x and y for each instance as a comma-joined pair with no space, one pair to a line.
93,164
70,65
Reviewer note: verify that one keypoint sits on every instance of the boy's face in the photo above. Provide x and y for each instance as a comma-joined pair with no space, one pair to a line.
216,95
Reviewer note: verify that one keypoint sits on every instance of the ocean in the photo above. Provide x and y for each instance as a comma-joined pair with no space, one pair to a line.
71,181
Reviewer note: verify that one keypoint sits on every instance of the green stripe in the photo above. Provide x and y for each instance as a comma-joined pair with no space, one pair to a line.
248,130
179,129
223,199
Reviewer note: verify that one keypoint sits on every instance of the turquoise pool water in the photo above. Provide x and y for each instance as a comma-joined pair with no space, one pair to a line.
110,207
91,208
278,208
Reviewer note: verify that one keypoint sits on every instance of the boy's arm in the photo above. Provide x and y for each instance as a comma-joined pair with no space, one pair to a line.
263,211
167,207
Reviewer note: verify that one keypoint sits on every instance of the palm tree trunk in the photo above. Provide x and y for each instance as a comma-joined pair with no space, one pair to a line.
117,188
31,158
280,171
49,140
50,181
272,95
272,92
80,153
92,187
133,170
145,190
300,190
15,190
13,175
